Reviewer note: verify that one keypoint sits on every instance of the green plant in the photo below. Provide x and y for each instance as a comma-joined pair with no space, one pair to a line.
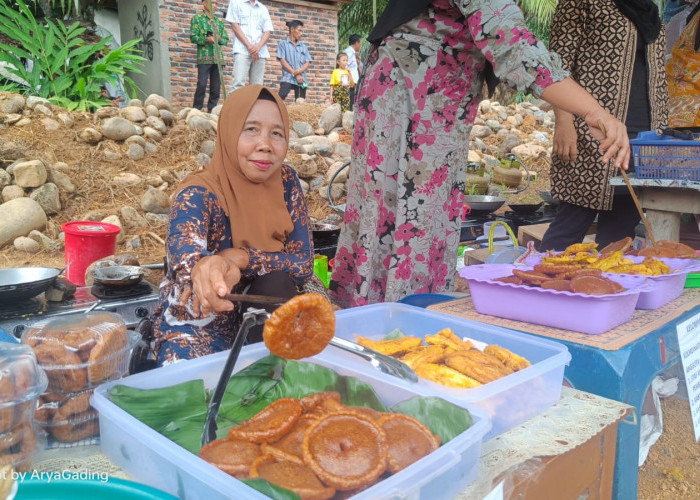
64,69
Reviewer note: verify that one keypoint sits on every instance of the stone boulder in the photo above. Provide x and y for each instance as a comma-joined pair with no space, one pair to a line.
118,129
18,217
30,174
331,117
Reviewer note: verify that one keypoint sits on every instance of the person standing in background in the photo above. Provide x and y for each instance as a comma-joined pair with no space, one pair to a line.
354,62
683,73
619,59
294,56
251,25
341,82
203,28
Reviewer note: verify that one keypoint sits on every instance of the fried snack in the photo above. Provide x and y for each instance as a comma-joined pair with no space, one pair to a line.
74,419
680,250
535,278
232,456
657,251
346,450
270,424
447,337
289,446
409,440
594,285
105,357
556,269
563,285
6,480
508,358
621,246
52,358
311,401
510,279
296,477
390,347
477,365
426,354
17,446
301,327
583,271
578,248
611,260
441,374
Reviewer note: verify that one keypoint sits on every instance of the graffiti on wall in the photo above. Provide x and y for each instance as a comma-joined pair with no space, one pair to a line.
144,30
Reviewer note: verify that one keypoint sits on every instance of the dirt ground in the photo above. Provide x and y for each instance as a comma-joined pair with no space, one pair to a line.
671,471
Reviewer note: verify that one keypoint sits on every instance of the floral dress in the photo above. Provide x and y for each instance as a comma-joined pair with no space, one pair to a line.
414,112
199,227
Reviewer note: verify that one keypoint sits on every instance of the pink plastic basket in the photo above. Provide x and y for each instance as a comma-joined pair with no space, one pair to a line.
591,314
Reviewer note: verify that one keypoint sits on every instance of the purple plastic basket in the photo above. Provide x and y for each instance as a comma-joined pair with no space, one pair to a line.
591,314
664,287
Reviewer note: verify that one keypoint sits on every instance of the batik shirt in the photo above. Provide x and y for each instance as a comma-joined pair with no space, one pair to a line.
206,53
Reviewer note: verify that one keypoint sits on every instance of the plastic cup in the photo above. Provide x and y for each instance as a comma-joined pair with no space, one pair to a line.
86,242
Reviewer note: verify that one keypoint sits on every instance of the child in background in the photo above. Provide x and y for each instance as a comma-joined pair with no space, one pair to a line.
341,82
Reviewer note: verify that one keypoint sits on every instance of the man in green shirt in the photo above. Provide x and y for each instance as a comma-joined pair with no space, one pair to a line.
209,33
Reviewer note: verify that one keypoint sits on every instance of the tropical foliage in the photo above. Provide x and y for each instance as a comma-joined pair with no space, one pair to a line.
53,61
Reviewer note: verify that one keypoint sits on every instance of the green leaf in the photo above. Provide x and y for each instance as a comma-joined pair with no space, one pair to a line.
270,489
452,420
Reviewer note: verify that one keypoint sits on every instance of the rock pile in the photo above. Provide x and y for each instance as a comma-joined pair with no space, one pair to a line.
35,190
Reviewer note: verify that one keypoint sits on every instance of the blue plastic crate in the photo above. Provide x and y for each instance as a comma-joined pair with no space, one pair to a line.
665,157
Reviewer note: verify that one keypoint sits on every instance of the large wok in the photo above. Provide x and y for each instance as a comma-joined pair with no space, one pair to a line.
22,283
483,204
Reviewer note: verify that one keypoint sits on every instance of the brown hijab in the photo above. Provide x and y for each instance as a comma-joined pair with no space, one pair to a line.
257,212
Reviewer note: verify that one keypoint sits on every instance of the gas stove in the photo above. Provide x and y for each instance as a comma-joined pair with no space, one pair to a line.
473,225
133,304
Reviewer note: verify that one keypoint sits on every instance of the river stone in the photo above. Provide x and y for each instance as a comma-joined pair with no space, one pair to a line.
158,101
342,149
154,180
167,176
127,179
27,245
13,104
152,134
48,197
61,180
90,135
155,201
509,142
152,110
136,139
43,109
307,167
167,116
480,131
23,122
32,101
118,128
18,217
208,148
528,151
331,117
132,218
50,124
12,192
348,121
114,219
156,123
30,174
150,147
157,218
199,122
136,152
341,177
43,240
136,102
5,178
133,113
107,112
12,118
302,129
66,119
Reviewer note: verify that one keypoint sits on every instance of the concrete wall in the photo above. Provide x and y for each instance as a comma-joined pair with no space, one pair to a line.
320,34
139,19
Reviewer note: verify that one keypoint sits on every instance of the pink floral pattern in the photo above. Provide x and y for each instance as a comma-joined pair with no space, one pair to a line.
414,112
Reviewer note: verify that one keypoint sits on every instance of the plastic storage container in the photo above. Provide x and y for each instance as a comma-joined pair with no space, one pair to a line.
79,351
592,314
67,417
153,459
665,287
665,157
21,383
86,242
509,401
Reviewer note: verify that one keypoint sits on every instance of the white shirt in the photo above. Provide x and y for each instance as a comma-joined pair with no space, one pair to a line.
253,19
352,63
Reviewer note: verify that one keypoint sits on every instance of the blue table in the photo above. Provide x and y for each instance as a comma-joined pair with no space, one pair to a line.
619,365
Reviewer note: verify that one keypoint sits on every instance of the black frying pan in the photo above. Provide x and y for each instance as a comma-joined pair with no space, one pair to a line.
22,283
525,208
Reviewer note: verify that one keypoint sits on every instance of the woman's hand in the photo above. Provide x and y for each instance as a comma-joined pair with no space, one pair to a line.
213,277
565,137
612,135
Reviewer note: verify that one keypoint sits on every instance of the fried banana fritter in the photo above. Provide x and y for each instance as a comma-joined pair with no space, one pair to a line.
426,354
445,375
447,337
508,358
390,347
477,365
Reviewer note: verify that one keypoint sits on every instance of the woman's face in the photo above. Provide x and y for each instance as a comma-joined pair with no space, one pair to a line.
262,145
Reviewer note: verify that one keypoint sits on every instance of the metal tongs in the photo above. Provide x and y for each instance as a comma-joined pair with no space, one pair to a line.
253,317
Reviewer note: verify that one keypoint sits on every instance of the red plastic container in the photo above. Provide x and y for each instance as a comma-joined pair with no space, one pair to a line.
86,242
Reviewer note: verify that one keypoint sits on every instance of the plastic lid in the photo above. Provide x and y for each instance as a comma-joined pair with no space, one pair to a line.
113,489
90,227
21,378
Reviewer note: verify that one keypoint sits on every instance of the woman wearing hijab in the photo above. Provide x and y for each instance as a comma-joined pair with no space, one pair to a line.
240,224
615,50
414,111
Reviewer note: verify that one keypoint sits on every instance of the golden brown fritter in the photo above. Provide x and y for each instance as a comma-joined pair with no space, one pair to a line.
444,375
390,347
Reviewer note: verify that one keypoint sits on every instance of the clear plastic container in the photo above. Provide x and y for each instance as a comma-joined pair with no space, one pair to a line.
79,351
67,417
153,459
508,401
21,383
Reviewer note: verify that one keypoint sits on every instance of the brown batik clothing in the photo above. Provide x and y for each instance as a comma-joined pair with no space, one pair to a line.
597,44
